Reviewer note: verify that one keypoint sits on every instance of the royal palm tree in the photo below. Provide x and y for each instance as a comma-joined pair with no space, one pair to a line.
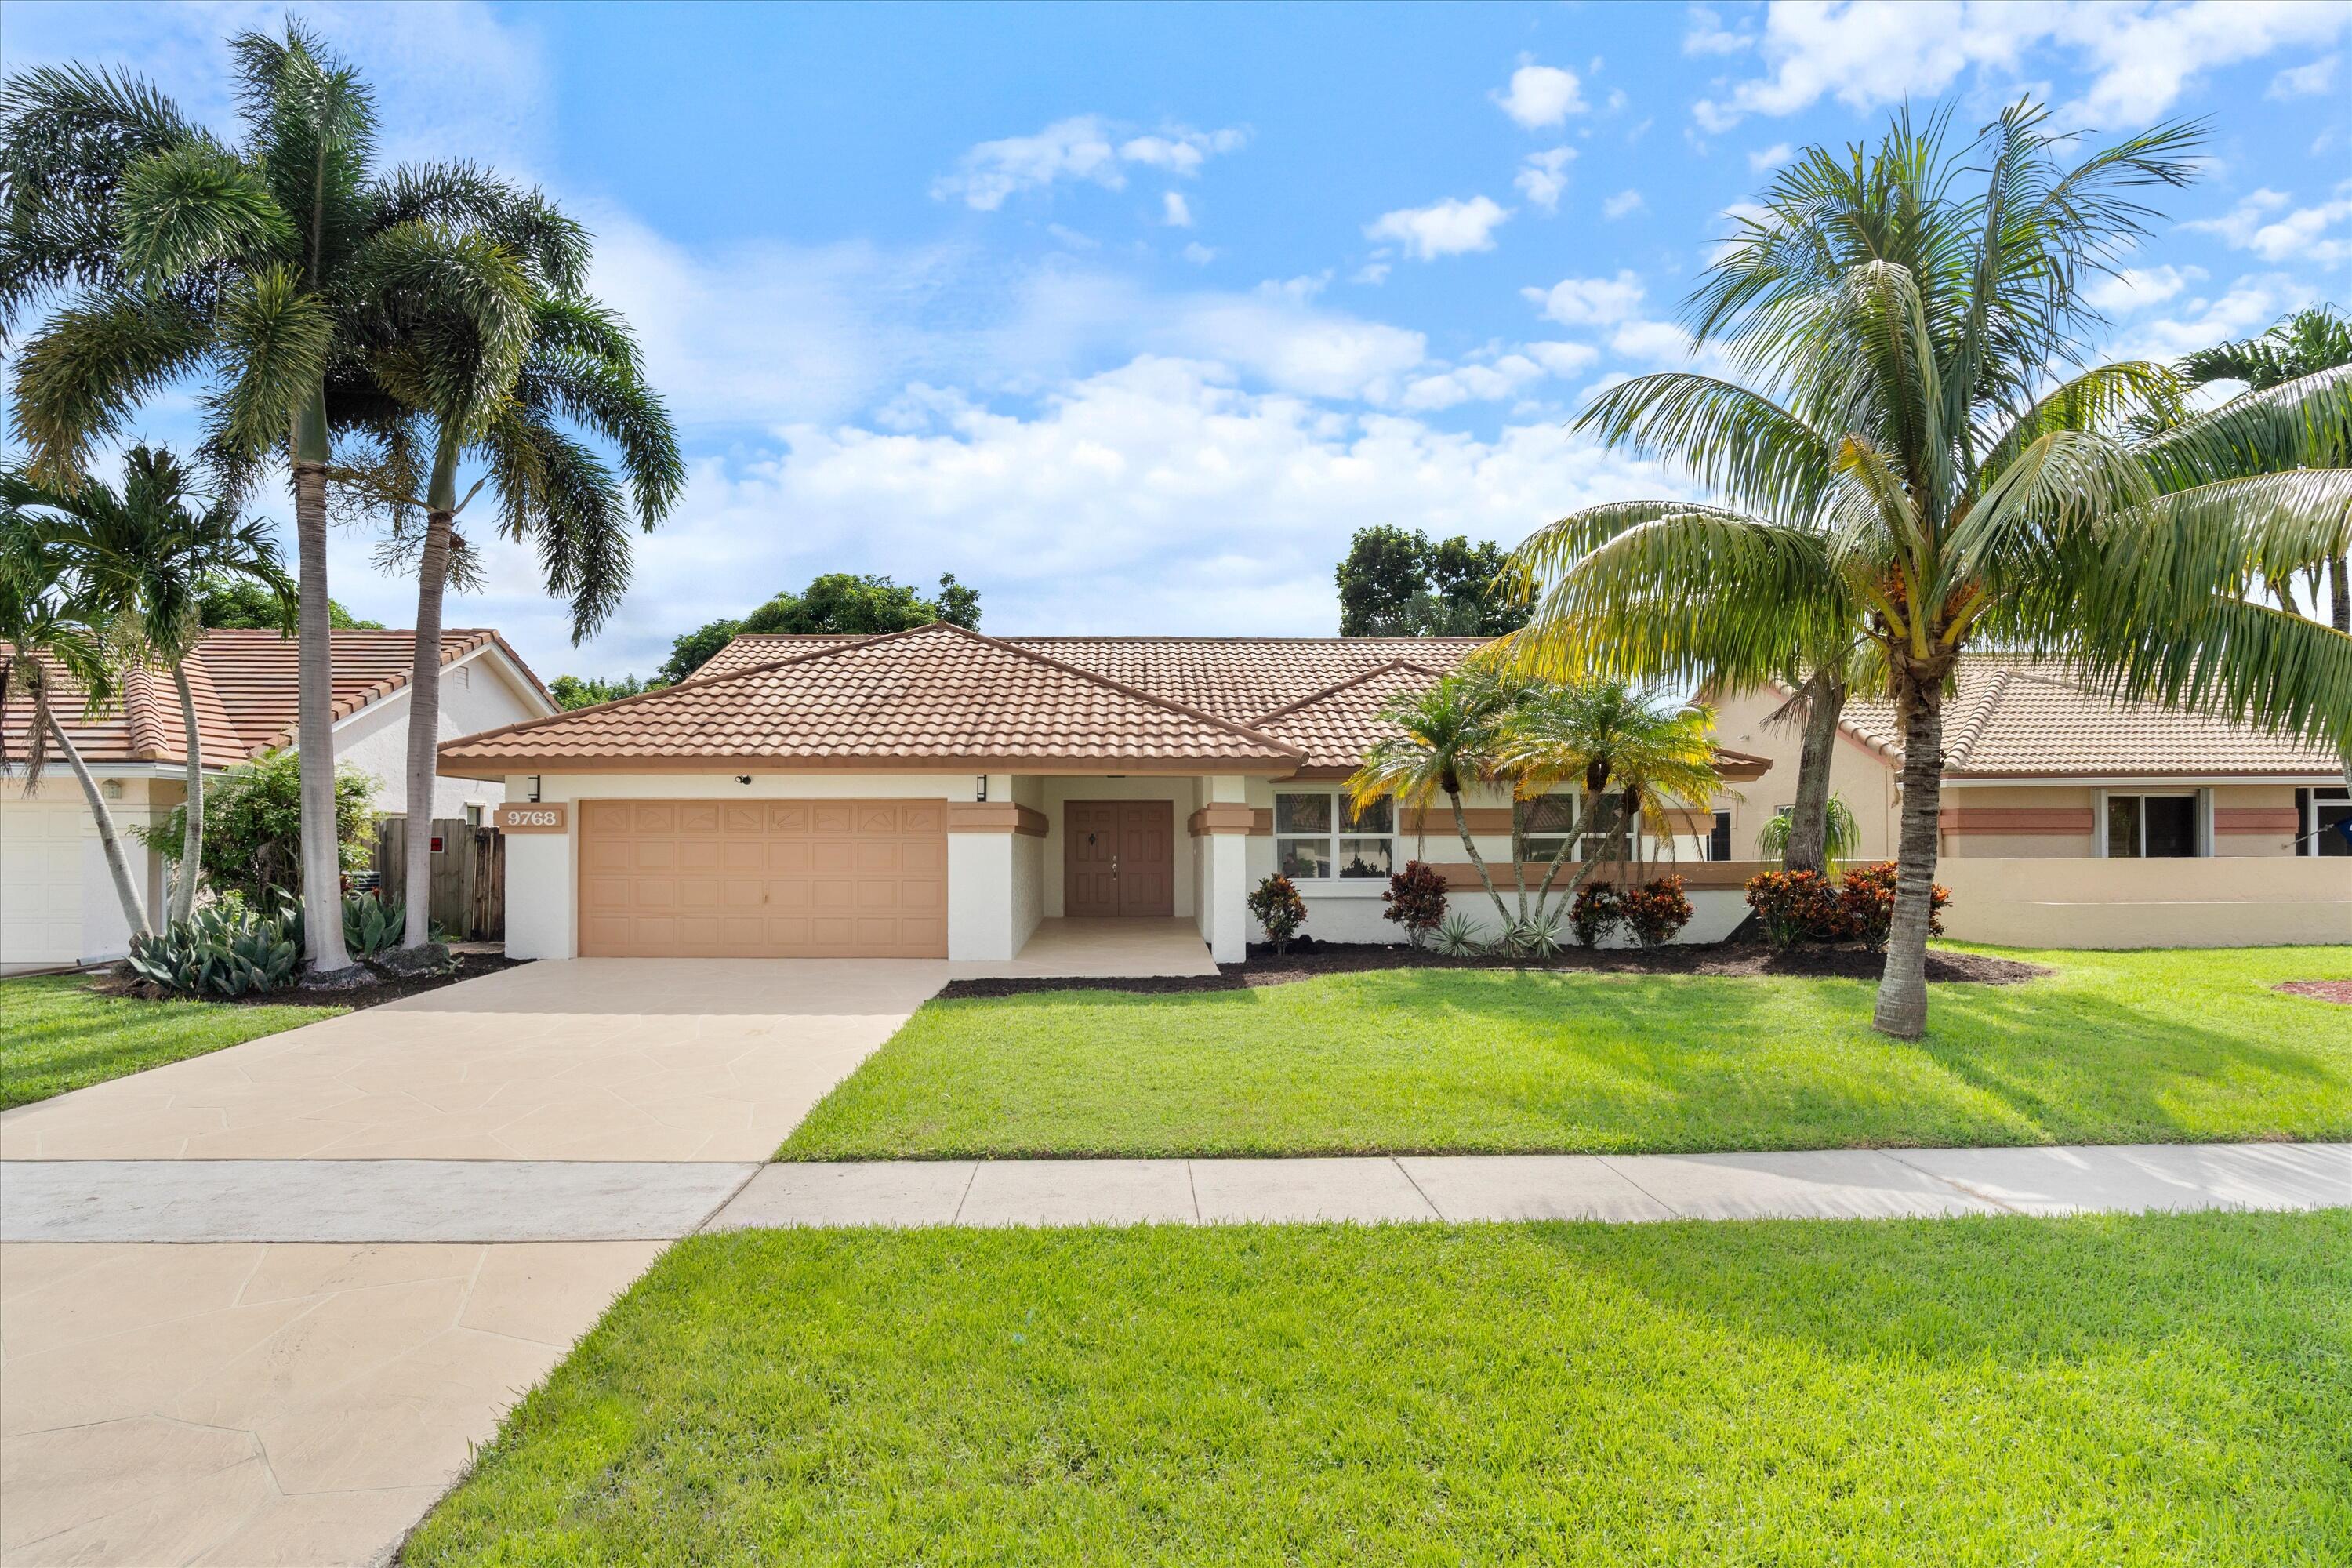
140,562
267,267
1912,319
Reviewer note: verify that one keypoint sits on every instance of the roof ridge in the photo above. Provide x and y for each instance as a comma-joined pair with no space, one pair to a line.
1338,686
472,640
1973,729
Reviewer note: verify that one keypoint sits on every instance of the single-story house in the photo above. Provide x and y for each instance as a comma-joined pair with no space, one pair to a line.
937,793
58,903
2065,814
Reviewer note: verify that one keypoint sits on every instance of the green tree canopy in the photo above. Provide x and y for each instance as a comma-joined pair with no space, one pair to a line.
247,606
572,692
1396,584
861,604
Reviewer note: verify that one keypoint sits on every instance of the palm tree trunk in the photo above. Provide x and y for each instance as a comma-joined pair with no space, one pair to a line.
1462,826
425,730
134,908
322,871
192,837
1809,819
2339,585
1902,1009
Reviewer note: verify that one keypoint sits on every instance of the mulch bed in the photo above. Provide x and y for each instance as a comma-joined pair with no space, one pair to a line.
2321,990
1728,958
470,966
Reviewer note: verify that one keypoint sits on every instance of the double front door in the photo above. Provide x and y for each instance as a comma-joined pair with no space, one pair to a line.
1118,857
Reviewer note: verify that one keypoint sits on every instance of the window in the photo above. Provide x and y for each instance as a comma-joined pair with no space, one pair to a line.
1718,838
473,814
1321,836
2152,827
2330,827
1547,820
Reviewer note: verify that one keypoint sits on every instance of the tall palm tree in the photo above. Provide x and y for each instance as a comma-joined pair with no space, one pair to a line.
1911,319
267,267
1446,739
40,629
141,560
2314,339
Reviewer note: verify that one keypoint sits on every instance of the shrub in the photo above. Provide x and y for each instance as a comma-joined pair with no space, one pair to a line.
370,924
1416,900
1866,898
253,826
1656,911
1598,911
1537,938
1798,906
227,951
1459,936
1279,910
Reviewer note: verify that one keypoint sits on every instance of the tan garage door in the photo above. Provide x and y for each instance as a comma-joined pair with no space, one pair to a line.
820,879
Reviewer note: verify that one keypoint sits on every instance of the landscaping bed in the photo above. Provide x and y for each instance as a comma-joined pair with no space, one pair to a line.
386,987
1984,1391
1305,961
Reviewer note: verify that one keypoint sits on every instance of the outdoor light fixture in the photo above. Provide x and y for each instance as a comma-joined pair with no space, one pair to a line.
114,789
979,786
743,778
531,787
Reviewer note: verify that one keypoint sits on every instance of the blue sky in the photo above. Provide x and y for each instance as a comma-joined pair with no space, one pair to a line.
1130,316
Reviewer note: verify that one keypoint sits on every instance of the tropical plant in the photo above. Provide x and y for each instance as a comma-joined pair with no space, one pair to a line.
574,691
1596,912
1841,836
1796,906
52,653
1415,900
141,560
227,950
1656,911
372,923
243,607
1909,324
848,603
1459,936
252,829
1444,742
1866,900
272,268
1278,910
1536,937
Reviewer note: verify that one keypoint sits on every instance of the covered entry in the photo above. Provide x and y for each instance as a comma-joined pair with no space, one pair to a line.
763,878
1118,858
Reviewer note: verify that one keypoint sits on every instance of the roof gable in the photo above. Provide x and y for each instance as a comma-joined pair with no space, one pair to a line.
1335,725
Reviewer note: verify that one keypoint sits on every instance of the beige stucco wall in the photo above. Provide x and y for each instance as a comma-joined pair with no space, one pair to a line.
1971,811
1858,775
2223,902
2243,838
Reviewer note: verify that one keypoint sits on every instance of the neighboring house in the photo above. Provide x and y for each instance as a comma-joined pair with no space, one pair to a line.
937,793
2061,811
57,903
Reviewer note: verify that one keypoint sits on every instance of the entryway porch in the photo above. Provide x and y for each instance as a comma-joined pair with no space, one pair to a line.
1100,948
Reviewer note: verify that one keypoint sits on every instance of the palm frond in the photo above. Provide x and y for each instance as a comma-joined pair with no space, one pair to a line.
79,377
1743,445
278,337
192,207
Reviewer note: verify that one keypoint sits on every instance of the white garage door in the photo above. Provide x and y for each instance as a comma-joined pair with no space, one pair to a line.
40,882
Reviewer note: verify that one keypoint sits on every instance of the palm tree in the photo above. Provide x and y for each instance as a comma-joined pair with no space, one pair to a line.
41,628
1634,758
1841,841
1968,502
141,561
1447,739
2315,339
268,268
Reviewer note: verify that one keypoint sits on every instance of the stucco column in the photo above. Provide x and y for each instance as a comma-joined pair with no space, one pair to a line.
1221,832
992,896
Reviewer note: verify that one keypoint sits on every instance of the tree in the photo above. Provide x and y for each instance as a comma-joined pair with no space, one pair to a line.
1911,319
251,827
572,692
1395,584
837,602
140,562
242,606
2317,338
1446,739
267,268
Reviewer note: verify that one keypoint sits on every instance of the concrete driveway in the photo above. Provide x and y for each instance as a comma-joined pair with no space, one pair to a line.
301,1377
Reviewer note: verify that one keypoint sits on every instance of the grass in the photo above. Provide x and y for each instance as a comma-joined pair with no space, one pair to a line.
2114,1047
2157,1390
57,1034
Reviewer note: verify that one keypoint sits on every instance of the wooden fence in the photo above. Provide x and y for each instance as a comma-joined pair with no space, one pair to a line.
469,875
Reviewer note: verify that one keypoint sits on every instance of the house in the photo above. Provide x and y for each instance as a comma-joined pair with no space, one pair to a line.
937,793
2065,814
58,903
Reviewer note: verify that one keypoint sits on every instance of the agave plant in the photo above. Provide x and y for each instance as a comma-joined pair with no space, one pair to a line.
1459,936
226,950
370,924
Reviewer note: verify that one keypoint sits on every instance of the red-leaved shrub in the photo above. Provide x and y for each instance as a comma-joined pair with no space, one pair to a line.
1596,912
1416,900
1867,895
1656,911
1279,910
1798,906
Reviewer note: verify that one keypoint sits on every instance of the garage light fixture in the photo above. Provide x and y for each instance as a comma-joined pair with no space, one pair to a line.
743,778
979,786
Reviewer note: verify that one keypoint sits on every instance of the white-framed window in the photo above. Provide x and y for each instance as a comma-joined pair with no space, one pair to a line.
2154,826
1547,820
2322,827
1320,836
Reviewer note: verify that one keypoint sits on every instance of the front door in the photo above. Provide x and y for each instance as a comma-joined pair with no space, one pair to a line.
1118,857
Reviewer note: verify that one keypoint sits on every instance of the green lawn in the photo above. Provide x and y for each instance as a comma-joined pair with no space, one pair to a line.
55,1035
2160,1390
2114,1048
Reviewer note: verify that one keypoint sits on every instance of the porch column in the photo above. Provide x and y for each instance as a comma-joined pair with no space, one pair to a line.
1222,831
989,917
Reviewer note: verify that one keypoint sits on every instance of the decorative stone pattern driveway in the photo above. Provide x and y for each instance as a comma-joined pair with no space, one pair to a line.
258,1398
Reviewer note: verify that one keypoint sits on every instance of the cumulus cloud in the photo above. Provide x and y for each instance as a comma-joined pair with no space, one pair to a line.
1541,96
1622,202
1704,34
2140,287
1544,176
1449,227
1175,210
1200,255
1589,301
2260,223
2303,81
1767,158
2140,57
1083,148
2248,306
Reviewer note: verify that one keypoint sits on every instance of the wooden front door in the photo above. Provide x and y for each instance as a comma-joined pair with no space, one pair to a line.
1118,857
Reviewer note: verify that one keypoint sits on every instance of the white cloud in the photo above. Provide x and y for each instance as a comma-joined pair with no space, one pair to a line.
1449,227
1651,341
1589,301
2140,56
1544,176
1562,360
1200,255
1706,35
1279,335
1620,204
2302,81
1772,157
1372,272
1483,383
2297,235
2250,305
1540,96
2140,287
1176,210
1085,147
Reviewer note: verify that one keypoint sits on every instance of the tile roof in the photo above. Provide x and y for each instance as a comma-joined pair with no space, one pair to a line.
2033,721
246,688
1333,726
937,696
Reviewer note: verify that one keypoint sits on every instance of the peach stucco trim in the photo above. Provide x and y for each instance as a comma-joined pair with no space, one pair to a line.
1225,817
2255,819
995,816
2015,819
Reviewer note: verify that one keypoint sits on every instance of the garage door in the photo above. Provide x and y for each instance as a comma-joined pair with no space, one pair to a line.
40,881
832,879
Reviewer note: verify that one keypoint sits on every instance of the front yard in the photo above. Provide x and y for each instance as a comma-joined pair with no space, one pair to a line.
57,1034
2112,1391
2153,1047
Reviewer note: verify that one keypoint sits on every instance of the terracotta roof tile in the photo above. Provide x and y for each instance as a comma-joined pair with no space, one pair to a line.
1335,725
936,696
